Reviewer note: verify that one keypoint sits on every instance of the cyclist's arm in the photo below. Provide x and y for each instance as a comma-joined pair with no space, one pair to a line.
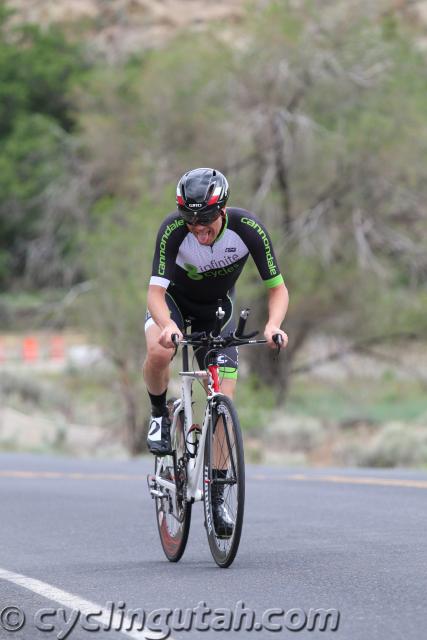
256,237
156,303
258,241
170,235
278,301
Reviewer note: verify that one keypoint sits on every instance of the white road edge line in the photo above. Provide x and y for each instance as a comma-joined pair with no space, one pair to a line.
72,601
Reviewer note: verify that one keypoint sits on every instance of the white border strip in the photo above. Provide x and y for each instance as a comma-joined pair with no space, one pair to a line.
76,602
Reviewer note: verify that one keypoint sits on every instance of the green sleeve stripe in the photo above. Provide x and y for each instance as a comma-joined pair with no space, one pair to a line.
274,282
229,373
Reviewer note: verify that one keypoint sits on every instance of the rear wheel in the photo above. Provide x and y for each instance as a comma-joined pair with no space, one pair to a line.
224,481
173,512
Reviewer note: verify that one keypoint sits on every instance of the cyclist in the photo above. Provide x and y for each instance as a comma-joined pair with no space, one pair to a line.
200,252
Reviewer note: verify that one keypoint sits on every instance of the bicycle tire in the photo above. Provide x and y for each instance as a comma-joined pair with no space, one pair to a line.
227,447
173,512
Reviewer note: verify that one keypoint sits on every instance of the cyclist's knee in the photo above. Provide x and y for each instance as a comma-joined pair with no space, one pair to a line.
228,387
158,356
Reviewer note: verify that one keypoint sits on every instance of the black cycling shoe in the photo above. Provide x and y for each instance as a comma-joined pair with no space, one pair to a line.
223,523
159,439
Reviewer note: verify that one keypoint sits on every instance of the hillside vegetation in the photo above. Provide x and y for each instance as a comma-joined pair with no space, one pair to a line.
317,116
114,30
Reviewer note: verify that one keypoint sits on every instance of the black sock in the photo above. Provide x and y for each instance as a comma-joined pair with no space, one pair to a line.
158,404
219,474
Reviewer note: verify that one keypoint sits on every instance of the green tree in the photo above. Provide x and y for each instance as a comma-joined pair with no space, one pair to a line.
116,255
317,118
334,105
37,73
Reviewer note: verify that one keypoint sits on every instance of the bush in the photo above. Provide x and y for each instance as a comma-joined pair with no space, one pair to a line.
37,72
396,445
302,434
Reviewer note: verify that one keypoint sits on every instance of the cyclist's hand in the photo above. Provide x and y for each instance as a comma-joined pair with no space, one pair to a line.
270,331
165,338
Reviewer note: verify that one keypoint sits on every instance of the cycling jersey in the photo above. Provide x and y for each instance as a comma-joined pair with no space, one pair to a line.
197,274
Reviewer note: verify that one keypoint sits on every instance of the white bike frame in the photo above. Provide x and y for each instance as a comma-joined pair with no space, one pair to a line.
194,465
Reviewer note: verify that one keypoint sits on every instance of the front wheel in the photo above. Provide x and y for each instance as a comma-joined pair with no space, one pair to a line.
173,512
224,481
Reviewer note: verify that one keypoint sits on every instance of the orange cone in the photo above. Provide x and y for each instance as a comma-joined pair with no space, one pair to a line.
30,349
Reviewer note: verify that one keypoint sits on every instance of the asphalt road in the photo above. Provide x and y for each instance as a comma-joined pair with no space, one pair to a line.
81,534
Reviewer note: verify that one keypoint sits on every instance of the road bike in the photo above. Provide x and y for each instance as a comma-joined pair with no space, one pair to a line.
207,460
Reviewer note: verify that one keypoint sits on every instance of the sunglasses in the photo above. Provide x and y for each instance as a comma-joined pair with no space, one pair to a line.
205,221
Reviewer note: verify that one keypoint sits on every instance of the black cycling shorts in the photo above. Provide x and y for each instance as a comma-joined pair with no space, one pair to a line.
203,319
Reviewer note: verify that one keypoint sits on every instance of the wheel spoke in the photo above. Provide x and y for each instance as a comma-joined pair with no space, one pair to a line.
224,453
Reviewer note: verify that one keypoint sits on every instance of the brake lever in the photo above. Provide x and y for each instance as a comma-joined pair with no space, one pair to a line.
175,340
278,340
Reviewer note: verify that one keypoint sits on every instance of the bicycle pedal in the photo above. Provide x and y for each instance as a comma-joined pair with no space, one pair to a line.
155,493
151,480
151,483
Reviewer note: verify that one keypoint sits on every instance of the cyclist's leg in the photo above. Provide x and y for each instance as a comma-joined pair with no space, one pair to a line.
158,358
156,366
228,357
228,378
229,367
229,362
156,376
228,387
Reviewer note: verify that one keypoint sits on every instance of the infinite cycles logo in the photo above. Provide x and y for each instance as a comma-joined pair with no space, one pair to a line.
194,274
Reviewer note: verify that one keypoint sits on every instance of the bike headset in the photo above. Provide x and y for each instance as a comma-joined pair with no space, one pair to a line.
201,194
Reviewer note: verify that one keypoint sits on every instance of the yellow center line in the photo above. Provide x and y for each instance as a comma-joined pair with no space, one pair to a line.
383,482
299,477
54,475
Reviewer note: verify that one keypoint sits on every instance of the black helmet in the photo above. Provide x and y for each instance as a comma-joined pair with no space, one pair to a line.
200,194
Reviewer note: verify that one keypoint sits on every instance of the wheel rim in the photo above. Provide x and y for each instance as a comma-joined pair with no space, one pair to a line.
171,510
225,456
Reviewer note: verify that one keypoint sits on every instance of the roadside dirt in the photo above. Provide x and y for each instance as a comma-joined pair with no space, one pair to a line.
117,29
